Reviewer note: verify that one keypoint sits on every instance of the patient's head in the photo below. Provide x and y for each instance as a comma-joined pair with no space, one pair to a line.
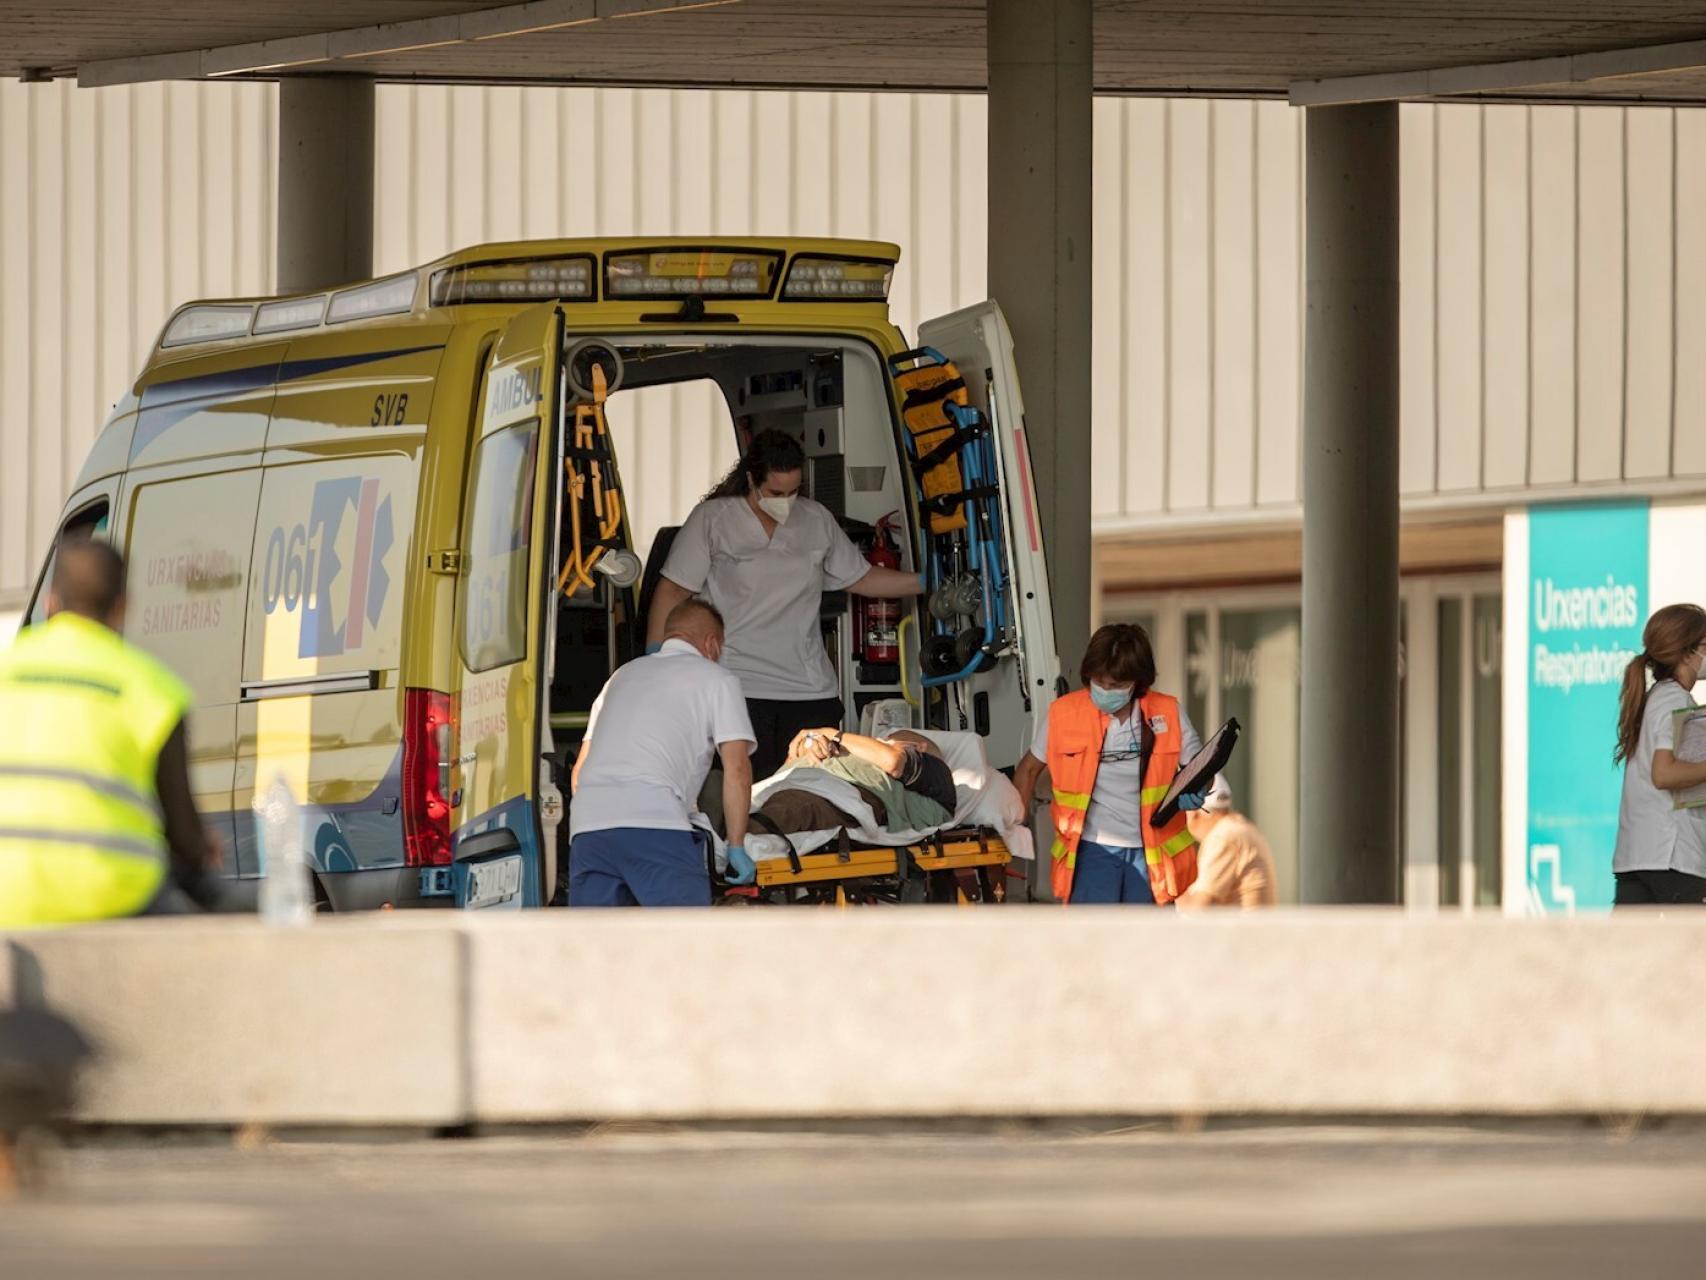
698,623
908,738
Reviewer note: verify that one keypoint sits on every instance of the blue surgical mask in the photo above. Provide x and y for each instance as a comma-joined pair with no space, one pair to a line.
1109,700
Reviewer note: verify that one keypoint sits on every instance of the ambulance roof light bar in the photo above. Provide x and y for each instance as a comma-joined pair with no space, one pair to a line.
208,322
392,296
819,278
515,280
290,313
680,273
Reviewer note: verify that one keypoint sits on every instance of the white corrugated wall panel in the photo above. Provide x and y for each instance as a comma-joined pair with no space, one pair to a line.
1279,301
1552,296
1599,296
1504,303
1143,284
1457,368
18,428
1550,316
1417,302
115,204
1232,461
1190,436
1649,206
1688,430
1107,321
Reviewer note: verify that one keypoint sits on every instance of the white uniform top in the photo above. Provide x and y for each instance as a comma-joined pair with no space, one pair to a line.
768,590
1115,815
654,729
1653,835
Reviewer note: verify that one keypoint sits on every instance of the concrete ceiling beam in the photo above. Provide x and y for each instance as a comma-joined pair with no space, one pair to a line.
1500,77
343,50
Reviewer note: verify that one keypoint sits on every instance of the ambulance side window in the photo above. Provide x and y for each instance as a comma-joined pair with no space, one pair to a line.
90,522
493,631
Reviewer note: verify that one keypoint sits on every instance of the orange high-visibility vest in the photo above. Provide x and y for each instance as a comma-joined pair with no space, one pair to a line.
1075,733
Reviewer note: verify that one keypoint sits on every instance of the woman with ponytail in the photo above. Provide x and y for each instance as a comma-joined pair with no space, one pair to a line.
1661,850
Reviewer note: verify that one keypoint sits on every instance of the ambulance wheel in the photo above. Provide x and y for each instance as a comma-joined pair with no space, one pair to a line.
581,358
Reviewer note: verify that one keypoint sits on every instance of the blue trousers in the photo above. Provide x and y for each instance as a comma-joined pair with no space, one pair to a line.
1108,873
638,867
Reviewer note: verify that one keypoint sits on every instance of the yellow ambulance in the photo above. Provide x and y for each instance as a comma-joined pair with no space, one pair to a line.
380,530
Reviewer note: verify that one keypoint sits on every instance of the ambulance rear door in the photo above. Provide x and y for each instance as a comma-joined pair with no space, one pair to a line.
501,814
1021,683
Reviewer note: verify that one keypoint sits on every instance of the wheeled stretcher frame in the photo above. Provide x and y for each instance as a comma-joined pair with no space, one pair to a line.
965,865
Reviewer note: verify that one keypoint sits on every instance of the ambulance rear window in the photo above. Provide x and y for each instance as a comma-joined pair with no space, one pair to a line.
500,525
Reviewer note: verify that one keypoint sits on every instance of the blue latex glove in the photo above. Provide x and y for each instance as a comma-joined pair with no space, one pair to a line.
653,648
1191,801
742,869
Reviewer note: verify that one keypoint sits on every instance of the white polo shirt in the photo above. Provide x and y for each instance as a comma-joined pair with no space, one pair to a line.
768,590
1652,834
1115,815
654,730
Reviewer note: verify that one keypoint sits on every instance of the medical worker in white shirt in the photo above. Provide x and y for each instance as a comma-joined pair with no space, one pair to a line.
1661,850
764,556
649,743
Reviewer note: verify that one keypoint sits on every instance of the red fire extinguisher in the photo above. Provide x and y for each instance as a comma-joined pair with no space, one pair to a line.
878,621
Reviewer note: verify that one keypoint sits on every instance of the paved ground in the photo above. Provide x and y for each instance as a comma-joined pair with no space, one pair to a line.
1269,1202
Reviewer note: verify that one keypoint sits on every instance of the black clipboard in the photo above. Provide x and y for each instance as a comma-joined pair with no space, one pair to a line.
1198,772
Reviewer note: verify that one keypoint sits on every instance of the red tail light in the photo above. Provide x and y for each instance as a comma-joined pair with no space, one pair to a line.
428,740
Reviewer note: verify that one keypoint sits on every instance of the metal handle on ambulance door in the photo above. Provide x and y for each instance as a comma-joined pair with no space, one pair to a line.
485,843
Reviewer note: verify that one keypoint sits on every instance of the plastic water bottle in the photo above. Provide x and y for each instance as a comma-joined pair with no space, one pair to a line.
287,898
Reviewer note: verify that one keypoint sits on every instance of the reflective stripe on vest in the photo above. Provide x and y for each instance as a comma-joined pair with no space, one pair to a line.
81,831
148,803
1076,730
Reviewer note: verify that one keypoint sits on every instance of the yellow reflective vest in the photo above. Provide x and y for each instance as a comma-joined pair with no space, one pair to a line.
83,717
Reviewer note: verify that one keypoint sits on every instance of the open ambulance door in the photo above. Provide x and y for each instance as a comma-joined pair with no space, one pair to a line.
504,809
1017,683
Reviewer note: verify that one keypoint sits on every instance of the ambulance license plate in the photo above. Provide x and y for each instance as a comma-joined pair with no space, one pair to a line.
490,883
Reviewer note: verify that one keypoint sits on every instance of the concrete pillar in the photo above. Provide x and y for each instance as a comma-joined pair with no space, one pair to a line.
1348,843
1039,269
325,182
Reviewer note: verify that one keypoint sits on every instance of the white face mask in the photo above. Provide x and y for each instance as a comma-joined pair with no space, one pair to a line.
777,508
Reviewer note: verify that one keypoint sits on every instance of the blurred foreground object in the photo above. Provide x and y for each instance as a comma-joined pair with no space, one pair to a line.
41,1054
287,896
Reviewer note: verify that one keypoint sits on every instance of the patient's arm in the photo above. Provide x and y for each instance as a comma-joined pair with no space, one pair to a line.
812,746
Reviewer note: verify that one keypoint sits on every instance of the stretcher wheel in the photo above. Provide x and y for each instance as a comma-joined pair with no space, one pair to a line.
940,656
577,366
956,597
966,647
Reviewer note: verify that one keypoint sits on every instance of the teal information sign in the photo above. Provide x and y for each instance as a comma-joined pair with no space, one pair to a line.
1587,601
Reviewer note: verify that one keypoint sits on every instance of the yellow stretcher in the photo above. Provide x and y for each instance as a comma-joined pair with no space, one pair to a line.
965,865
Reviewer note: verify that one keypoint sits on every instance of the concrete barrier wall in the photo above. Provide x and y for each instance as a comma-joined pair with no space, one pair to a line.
947,1012
227,1022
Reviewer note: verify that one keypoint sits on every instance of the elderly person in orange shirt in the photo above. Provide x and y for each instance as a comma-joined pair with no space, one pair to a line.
1235,867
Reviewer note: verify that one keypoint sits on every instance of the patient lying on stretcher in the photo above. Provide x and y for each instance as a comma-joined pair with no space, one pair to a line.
904,779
